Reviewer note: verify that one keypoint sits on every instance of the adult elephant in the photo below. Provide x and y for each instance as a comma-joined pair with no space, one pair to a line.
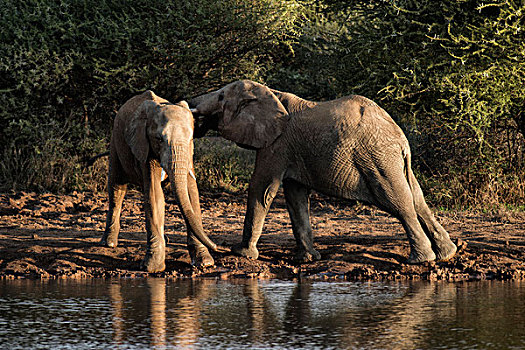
151,134
348,148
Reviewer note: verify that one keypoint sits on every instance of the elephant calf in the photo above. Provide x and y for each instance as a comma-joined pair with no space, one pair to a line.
151,134
348,148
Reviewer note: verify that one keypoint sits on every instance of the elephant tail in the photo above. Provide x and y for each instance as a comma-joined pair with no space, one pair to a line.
90,161
407,165
417,194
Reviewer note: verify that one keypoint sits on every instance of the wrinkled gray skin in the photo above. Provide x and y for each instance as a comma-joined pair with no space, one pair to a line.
348,148
149,134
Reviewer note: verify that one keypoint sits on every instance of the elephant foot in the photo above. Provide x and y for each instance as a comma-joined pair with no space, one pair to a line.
241,250
304,256
110,243
446,251
153,263
201,258
421,257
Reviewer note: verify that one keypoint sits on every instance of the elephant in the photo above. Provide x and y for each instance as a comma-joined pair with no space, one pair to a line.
348,148
151,134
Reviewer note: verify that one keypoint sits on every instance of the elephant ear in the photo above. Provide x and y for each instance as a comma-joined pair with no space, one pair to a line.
254,117
135,132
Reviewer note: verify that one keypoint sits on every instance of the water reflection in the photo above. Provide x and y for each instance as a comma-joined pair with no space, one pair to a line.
117,309
170,313
158,313
403,323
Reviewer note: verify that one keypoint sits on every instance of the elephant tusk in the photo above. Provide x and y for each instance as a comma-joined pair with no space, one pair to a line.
164,176
194,110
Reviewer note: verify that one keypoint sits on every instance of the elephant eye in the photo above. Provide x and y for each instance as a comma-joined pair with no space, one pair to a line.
221,97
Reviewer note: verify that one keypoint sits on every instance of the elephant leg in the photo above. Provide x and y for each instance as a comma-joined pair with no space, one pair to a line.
264,185
443,247
116,193
154,207
200,256
298,204
394,196
420,246
116,197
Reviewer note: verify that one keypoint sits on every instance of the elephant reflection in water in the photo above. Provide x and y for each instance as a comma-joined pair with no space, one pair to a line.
157,298
117,308
186,314
175,313
156,311
174,319
391,324
260,318
395,324
298,309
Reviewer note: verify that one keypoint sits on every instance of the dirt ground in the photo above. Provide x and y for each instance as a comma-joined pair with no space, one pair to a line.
50,236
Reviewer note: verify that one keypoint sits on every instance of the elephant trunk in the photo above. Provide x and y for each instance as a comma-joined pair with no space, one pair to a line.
204,120
194,102
178,170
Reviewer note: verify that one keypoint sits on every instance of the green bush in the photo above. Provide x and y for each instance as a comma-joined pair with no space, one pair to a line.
66,66
220,165
450,72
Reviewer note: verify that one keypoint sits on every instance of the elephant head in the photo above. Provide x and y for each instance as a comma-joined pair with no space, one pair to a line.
245,112
164,131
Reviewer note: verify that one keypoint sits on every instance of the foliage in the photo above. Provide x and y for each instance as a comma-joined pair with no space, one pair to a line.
452,73
221,165
66,66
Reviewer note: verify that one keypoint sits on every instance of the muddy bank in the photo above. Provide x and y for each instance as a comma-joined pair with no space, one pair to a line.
49,236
